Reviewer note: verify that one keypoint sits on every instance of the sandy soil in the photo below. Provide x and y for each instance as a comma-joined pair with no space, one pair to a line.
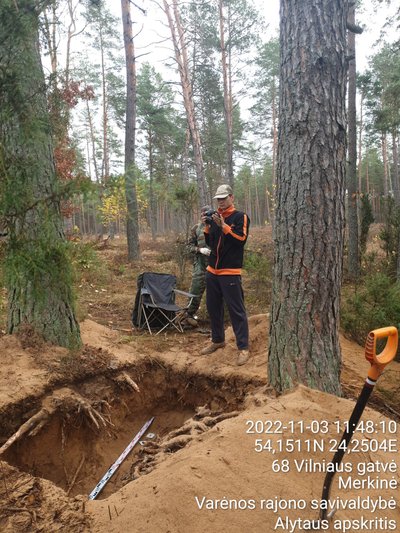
200,470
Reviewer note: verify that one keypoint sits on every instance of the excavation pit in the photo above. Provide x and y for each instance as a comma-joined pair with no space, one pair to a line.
93,422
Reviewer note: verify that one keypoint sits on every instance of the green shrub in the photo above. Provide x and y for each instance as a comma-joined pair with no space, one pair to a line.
258,267
375,304
389,235
86,262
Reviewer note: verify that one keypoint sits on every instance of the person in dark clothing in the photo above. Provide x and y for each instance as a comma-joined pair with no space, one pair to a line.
226,235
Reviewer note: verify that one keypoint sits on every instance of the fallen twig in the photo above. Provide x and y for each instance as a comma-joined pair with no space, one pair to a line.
71,485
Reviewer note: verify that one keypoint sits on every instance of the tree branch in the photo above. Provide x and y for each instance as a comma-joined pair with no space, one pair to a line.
138,7
354,28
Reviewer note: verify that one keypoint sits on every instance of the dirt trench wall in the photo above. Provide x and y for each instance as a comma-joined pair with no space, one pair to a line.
93,420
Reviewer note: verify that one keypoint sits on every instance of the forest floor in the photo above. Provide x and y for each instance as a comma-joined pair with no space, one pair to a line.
210,459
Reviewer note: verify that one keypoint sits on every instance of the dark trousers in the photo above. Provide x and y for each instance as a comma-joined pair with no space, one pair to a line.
228,289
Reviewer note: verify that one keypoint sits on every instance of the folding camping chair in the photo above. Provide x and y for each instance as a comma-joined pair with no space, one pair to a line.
155,305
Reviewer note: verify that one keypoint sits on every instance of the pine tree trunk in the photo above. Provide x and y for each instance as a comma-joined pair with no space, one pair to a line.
309,221
106,152
38,273
360,138
152,200
395,159
359,164
352,215
227,83
92,142
132,223
385,165
257,201
71,33
185,157
274,133
396,186
179,42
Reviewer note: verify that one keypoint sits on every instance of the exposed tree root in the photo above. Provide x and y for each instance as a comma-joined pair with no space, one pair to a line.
37,420
57,402
125,380
211,421
201,412
176,443
31,512
67,398
154,453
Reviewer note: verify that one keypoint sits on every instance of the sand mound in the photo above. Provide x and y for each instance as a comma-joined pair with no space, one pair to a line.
226,455
202,487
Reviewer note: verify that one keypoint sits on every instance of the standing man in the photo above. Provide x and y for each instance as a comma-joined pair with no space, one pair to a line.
198,248
226,234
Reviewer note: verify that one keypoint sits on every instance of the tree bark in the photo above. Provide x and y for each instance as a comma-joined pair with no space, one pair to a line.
227,84
385,165
396,185
152,199
132,223
353,193
105,174
360,139
395,159
92,142
309,221
37,266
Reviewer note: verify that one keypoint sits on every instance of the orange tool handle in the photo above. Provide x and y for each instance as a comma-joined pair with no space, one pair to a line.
379,361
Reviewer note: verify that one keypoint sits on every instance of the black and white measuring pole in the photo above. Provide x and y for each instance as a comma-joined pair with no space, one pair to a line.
113,468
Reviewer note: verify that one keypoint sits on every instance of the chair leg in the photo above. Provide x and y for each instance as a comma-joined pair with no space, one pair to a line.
167,319
177,323
139,318
147,321
170,322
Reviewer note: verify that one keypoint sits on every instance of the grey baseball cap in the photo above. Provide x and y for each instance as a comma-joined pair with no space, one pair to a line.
223,191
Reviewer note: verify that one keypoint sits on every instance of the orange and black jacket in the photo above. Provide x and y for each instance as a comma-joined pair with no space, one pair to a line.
227,243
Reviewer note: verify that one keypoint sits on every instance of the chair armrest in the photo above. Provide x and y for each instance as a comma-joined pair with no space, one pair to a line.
188,294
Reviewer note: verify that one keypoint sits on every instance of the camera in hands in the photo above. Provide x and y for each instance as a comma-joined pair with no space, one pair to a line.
209,214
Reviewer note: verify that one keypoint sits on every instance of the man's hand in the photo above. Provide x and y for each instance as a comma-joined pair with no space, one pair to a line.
205,251
203,219
217,218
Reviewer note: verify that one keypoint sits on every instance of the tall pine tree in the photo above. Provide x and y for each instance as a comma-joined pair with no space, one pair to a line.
37,267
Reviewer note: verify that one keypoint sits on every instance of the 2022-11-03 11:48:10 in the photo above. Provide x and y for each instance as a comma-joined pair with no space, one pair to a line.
319,426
